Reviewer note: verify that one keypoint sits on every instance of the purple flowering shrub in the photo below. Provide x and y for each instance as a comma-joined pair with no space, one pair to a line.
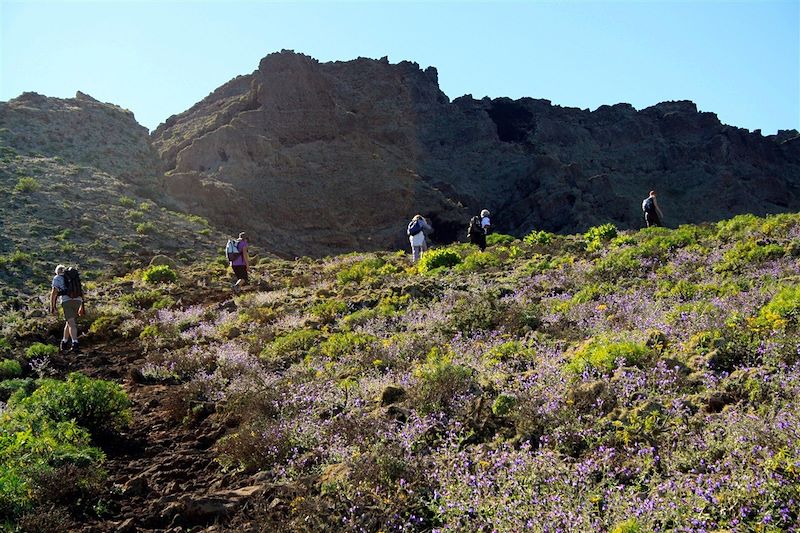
648,384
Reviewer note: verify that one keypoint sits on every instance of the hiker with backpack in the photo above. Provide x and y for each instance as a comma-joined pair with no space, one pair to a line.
427,230
486,224
66,290
652,213
236,252
416,236
475,233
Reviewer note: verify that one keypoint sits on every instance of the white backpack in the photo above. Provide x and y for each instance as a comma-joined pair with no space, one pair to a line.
232,250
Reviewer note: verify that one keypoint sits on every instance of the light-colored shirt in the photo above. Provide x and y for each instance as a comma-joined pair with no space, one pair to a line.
418,239
485,222
60,285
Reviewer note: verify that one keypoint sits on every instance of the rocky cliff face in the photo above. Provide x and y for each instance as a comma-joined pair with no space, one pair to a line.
319,158
81,130
324,157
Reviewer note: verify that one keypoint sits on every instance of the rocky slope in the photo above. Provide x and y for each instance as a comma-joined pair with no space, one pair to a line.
326,157
79,181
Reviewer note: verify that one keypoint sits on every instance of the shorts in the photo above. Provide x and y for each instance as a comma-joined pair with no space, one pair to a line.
70,308
240,271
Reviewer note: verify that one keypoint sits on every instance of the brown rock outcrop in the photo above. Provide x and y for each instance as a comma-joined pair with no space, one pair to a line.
327,157
81,130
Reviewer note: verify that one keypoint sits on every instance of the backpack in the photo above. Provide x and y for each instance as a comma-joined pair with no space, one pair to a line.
648,205
72,283
414,227
232,250
475,226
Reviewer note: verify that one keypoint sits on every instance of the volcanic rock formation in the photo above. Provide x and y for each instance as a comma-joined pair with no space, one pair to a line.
324,157
318,158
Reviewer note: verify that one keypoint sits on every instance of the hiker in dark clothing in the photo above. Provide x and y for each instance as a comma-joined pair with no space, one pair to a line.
476,233
241,262
652,213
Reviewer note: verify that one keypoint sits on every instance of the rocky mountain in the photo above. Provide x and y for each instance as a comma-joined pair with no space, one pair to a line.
319,158
326,157
78,179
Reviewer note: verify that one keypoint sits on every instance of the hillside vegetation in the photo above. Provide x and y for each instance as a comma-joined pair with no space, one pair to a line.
60,212
612,381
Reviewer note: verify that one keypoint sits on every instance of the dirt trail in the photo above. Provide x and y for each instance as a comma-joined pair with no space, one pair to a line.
162,474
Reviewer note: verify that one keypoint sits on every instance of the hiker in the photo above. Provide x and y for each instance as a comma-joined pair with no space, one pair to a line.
416,236
476,234
486,224
427,230
66,289
236,251
652,213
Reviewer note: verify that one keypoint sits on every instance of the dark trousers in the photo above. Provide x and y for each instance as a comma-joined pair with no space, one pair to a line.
651,219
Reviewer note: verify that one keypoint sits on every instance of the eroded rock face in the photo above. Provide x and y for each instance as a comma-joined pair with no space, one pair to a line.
81,130
327,157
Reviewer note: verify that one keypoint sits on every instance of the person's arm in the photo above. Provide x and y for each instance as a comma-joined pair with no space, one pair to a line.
246,255
53,298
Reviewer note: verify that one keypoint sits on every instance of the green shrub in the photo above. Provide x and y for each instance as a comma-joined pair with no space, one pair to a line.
782,311
27,184
100,406
747,253
438,258
140,299
10,386
328,310
538,237
630,525
440,382
38,350
597,236
126,201
603,353
499,238
479,261
363,270
145,228
291,347
617,264
159,274
510,350
474,312
10,368
340,345
504,404
106,325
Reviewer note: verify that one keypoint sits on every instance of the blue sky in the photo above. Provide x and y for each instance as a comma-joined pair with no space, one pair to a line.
740,60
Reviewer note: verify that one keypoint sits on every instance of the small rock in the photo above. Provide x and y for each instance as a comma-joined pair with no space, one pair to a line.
127,526
392,394
136,486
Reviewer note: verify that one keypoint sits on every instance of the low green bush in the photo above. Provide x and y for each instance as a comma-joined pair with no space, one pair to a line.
140,299
499,238
367,269
291,347
37,350
340,345
538,237
126,201
328,310
10,368
10,386
440,382
479,261
145,228
27,184
598,236
159,274
100,406
603,353
438,258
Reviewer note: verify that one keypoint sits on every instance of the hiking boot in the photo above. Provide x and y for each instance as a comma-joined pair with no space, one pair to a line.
75,346
64,346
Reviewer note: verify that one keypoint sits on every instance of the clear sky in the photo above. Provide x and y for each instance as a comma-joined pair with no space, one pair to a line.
740,60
